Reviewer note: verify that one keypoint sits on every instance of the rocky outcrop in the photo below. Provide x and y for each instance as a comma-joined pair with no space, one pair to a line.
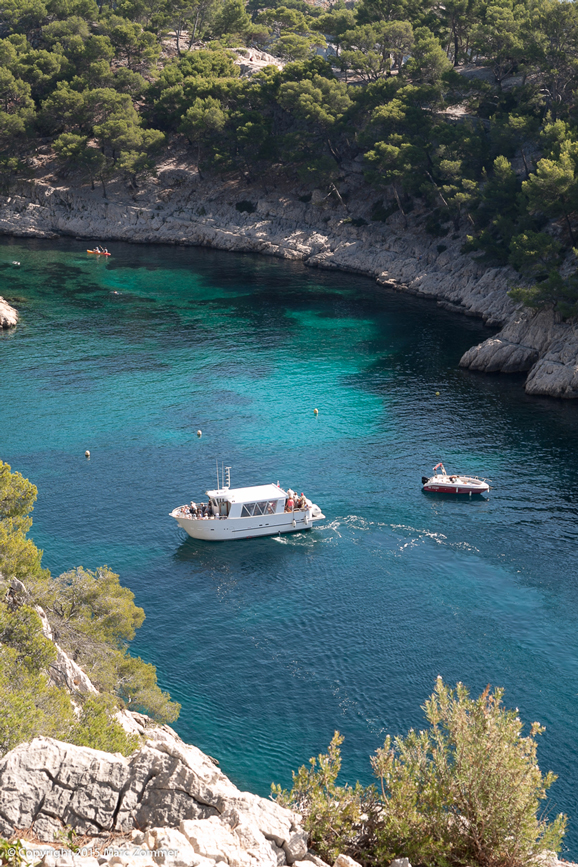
169,793
335,231
539,343
8,315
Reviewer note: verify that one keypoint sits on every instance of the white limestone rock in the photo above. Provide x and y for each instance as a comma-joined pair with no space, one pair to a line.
165,784
345,861
67,673
8,315
213,839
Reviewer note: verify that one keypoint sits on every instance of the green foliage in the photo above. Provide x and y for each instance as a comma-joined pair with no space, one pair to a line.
466,790
22,631
557,292
97,728
92,617
332,813
471,107
30,705
12,854
534,254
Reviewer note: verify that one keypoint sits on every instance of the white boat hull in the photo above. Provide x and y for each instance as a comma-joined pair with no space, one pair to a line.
227,529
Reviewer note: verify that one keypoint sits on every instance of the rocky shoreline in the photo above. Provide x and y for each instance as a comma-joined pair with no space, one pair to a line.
336,231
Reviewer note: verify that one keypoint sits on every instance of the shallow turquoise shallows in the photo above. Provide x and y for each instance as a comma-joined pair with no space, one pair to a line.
272,644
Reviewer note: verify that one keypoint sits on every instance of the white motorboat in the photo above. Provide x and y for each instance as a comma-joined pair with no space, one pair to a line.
243,513
442,483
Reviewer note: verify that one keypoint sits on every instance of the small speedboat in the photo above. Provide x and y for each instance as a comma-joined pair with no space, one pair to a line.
243,513
442,483
99,252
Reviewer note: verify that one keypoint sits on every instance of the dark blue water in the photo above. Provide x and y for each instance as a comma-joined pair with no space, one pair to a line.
272,644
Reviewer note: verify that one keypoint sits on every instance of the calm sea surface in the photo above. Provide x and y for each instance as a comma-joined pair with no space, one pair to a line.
272,644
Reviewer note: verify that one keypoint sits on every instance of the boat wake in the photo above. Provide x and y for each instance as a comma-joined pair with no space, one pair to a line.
400,537
422,536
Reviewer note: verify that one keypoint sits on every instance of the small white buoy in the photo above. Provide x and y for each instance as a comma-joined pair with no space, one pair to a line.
315,412
87,454
16,263
199,433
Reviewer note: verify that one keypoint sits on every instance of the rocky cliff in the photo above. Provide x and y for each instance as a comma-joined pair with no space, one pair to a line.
335,231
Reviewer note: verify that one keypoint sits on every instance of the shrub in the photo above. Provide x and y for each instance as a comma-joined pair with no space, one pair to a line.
338,818
97,728
467,790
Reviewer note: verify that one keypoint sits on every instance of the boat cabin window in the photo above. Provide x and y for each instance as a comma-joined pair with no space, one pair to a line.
266,508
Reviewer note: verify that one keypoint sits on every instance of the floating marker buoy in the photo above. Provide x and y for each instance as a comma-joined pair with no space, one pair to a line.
437,394
87,454
16,263
315,412
199,433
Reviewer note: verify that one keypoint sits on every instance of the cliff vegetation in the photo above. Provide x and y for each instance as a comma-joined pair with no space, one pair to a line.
469,105
91,617
465,790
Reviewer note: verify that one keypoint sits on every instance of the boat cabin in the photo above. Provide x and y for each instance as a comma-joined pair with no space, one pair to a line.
246,502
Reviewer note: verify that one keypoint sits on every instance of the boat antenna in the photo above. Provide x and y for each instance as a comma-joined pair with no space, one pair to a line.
228,476
217,463
222,475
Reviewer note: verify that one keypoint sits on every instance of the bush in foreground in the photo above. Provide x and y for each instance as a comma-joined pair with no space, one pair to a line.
466,790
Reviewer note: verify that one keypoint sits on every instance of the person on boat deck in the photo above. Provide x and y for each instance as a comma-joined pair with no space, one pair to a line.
289,504
301,502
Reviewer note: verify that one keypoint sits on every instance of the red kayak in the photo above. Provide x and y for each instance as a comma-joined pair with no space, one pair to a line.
99,253
442,483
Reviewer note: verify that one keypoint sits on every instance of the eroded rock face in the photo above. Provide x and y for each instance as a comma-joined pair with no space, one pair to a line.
166,786
537,342
8,315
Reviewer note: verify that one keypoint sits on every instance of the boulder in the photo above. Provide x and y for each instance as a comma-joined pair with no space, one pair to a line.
8,315
165,784
345,861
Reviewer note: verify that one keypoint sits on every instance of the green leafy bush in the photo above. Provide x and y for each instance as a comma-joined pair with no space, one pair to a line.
92,617
466,790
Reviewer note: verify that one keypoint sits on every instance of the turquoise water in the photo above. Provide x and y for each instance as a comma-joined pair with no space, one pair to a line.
272,644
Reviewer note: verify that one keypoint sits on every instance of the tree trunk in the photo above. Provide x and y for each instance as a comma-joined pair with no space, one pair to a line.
456,48
569,224
525,163
194,33
400,206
